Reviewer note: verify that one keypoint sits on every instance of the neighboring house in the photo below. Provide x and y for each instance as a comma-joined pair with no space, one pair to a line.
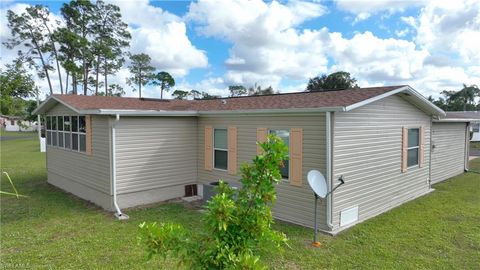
14,123
473,117
124,152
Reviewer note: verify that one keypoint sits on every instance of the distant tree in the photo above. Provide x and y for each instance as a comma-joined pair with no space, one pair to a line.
30,106
466,96
180,94
15,85
115,90
440,102
257,90
164,80
42,14
27,29
111,36
462,100
141,71
206,95
334,81
195,94
237,90
79,17
15,81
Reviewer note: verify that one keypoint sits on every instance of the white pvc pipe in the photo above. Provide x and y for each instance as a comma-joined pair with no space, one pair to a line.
329,167
467,148
114,168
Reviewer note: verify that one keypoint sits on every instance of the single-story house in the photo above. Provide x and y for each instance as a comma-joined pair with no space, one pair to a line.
390,144
15,123
473,117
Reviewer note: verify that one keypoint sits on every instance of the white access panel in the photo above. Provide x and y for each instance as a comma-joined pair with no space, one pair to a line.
348,216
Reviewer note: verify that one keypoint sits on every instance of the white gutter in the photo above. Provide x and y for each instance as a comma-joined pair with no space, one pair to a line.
141,112
456,120
119,213
329,168
289,110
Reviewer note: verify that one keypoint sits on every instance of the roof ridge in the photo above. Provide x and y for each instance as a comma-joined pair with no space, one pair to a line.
239,97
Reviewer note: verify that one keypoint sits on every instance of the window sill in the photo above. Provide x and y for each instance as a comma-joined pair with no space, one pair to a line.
220,170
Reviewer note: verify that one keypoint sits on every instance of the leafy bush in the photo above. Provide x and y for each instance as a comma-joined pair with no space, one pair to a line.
237,223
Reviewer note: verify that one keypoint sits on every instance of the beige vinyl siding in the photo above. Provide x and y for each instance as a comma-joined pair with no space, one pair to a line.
155,152
89,174
367,151
61,109
294,204
448,153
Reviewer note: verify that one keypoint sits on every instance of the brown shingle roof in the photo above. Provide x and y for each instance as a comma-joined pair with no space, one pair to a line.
337,98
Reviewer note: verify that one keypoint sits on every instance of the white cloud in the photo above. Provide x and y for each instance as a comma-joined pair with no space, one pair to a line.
451,27
376,59
402,33
163,36
364,9
266,44
154,31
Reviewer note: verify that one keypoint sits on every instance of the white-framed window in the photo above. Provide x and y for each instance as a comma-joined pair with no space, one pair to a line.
54,130
67,135
413,147
67,132
60,131
285,136
220,149
48,128
476,127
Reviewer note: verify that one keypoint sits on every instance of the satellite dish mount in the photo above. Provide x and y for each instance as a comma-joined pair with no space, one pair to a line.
319,186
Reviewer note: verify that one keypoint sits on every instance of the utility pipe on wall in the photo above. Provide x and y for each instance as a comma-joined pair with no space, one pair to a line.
119,213
329,167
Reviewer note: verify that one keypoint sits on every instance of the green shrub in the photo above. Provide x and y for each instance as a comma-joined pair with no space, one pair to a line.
237,223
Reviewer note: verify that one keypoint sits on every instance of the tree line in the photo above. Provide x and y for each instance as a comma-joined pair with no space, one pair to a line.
465,99
89,43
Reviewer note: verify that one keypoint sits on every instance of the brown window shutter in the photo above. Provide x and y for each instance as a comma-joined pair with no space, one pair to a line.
296,157
232,150
404,149
88,135
261,137
208,148
421,150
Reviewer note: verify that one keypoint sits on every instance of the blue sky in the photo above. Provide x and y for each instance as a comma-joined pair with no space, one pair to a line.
208,45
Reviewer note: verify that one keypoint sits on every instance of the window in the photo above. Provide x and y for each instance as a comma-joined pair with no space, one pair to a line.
476,127
285,136
67,132
220,149
413,147
12,122
54,130
49,132
60,131
67,136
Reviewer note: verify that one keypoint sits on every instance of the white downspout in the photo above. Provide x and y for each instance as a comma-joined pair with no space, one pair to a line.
329,167
467,148
119,213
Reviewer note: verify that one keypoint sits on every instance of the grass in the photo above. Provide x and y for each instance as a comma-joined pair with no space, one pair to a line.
53,229
475,145
474,165
17,134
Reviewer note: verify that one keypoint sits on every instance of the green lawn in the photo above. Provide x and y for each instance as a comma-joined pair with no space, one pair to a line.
475,165
54,230
475,145
17,134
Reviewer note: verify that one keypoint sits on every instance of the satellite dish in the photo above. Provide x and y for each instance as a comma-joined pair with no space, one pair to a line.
317,182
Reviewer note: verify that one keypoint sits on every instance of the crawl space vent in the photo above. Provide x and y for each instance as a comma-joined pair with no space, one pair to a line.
349,216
